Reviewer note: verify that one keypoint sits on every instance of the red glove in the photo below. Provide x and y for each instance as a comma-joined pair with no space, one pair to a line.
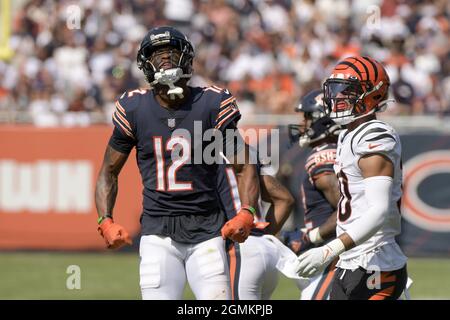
114,234
238,228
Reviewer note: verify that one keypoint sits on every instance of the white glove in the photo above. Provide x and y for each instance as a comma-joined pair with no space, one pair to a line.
313,235
315,260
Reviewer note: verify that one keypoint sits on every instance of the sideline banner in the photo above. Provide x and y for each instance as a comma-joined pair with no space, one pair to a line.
47,184
426,195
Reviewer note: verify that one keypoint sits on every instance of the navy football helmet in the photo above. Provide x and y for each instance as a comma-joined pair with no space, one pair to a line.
321,125
161,37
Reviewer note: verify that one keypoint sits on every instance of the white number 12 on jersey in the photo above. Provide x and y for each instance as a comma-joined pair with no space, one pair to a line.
170,175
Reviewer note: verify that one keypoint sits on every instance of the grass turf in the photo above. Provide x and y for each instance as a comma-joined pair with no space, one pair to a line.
115,276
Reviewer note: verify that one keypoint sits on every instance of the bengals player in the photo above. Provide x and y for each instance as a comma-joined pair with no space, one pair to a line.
368,165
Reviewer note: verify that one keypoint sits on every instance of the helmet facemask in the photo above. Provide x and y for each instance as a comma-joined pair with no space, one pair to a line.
152,58
343,99
314,124
317,129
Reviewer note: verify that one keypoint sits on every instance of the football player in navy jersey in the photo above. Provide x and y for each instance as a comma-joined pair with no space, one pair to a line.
253,264
319,188
182,226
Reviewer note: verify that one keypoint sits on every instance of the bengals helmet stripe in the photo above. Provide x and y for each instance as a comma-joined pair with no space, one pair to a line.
366,70
374,68
351,65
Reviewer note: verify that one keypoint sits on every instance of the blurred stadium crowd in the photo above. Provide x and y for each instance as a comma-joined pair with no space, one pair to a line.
268,53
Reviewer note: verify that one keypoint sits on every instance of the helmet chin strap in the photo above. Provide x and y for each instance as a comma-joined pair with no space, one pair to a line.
168,78
383,105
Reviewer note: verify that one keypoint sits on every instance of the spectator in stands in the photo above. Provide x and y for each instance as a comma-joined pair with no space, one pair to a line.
268,52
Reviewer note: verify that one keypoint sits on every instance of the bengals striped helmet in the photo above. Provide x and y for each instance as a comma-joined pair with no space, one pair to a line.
357,87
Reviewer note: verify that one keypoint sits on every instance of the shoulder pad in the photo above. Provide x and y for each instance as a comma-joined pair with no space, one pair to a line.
374,137
321,159
130,99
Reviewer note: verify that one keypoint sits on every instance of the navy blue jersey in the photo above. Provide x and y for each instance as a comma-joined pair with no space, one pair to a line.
173,186
227,191
317,208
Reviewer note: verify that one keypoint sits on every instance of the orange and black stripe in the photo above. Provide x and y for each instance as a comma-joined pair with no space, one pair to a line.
323,289
374,67
353,67
119,118
364,68
227,110
386,278
234,264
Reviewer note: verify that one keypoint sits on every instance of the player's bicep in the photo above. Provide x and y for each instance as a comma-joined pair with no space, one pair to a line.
328,184
376,164
113,161
235,150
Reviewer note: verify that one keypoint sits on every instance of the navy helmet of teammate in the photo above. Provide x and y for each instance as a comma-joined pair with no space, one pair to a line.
319,188
182,224
314,126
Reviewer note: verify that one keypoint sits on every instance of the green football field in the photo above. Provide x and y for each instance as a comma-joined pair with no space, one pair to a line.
115,276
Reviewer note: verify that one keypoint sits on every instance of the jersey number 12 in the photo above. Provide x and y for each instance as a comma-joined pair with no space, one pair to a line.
166,179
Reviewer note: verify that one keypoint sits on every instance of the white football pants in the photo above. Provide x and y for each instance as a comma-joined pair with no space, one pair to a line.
166,264
253,271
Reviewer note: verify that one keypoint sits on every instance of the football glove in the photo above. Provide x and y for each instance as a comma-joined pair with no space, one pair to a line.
315,260
114,234
298,241
313,235
238,228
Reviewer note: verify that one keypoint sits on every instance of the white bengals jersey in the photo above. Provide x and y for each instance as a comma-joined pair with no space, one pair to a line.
380,250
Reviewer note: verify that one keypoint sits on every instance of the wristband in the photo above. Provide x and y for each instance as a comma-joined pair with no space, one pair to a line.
336,247
106,216
250,209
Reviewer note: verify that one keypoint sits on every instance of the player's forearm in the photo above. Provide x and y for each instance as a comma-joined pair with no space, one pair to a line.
378,196
107,182
328,229
248,185
106,192
282,210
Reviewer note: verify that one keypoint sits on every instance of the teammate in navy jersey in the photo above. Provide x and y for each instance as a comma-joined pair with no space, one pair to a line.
253,264
183,228
319,188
